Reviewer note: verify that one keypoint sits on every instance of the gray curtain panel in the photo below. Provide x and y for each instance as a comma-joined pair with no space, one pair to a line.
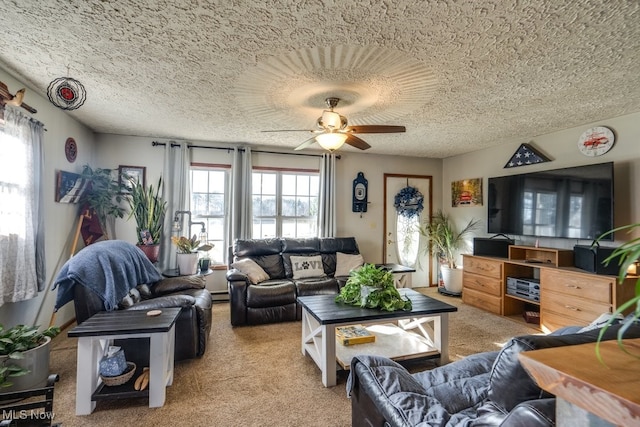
327,210
241,224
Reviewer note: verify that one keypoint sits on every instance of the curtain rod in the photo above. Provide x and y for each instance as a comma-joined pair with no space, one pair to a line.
156,143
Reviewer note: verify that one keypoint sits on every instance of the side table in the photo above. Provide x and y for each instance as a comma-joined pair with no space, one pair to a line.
98,332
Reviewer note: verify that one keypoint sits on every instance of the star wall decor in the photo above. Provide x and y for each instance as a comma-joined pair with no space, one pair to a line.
526,155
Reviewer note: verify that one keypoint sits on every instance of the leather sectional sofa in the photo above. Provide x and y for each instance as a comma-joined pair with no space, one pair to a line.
273,297
484,389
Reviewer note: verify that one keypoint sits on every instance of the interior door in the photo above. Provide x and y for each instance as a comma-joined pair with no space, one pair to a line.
403,243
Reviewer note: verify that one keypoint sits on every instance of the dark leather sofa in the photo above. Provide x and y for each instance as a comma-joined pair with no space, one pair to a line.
485,389
275,299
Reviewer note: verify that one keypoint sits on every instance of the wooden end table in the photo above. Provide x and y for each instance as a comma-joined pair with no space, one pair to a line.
98,332
321,314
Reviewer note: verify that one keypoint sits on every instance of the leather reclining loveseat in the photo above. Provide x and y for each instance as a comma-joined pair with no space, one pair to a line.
273,297
484,389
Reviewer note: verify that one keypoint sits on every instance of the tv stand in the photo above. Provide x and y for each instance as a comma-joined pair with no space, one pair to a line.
567,296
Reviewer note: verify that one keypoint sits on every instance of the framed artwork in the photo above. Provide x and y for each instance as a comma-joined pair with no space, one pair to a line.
467,192
128,175
69,187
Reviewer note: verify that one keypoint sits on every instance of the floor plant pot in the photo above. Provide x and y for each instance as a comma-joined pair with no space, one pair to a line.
187,264
151,251
36,361
452,278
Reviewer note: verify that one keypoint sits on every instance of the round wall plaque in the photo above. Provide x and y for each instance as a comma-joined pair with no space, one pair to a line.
71,150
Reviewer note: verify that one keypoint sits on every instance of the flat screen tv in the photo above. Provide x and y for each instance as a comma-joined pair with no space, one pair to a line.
570,203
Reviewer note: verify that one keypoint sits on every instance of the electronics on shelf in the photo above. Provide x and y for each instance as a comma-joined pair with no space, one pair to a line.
524,287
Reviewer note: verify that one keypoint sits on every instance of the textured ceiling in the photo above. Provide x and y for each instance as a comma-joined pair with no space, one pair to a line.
460,75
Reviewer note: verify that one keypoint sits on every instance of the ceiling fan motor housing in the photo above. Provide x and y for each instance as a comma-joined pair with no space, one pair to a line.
332,121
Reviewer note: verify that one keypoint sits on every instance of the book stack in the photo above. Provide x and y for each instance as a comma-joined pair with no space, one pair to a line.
354,334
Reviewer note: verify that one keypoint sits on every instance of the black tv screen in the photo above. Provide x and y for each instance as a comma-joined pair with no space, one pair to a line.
571,203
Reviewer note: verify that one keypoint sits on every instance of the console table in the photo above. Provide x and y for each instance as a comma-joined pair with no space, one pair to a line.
589,393
98,332
568,296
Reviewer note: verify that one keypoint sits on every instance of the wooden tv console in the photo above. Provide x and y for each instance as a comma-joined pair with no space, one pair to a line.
568,296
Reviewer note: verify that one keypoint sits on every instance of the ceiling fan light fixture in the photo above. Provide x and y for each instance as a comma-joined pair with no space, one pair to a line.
331,120
331,141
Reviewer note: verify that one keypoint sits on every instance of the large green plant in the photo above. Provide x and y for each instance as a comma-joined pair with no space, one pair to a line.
149,209
626,254
14,342
444,240
104,195
372,287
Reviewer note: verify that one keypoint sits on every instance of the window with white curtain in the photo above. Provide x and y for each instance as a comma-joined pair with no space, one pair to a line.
285,203
13,191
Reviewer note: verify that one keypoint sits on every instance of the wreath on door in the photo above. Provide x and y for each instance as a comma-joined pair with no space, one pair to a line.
409,202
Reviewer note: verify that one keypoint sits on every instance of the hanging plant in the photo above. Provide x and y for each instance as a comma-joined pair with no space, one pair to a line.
409,202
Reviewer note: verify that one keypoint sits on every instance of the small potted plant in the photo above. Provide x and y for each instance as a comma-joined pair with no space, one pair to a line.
149,209
445,242
188,253
21,347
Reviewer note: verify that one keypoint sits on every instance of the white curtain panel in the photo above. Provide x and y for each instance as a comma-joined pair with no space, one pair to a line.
22,266
327,210
241,215
176,191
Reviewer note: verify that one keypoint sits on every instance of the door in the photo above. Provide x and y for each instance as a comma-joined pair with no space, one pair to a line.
403,243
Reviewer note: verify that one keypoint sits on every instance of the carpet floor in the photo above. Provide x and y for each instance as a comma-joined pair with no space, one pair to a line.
257,375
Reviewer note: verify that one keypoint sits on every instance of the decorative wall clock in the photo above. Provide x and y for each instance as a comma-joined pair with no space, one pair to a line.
596,141
70,150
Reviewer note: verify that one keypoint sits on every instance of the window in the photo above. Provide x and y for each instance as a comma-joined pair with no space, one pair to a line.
209,204
285,203
13,187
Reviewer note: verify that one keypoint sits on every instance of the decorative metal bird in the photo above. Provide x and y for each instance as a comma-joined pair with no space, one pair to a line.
7,98
16,100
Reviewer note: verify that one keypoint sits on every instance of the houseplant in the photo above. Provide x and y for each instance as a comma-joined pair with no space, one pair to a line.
627,254
445,242
372,287
24,356
149,209
104,195
188,253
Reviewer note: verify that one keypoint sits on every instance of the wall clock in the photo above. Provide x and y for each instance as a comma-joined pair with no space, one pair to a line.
596,141
71,150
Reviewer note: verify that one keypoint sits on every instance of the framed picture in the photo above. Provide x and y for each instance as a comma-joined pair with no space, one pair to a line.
69,187
467,192
128,175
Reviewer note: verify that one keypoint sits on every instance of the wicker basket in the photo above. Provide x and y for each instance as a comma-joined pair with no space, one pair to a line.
122,378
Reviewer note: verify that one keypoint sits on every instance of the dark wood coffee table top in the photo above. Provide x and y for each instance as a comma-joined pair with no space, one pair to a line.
326,310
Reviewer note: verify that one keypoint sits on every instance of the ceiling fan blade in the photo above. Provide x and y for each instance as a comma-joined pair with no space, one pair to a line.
305,144
288,130
354,141
375,129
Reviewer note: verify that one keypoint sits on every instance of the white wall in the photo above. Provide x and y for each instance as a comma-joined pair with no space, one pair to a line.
60,218
562,148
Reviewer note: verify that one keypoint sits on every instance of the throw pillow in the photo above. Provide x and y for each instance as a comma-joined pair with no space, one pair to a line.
307,266
345,263
254,272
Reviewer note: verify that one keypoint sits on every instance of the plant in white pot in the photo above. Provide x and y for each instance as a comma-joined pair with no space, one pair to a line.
188,253
24,356
446,243
149,209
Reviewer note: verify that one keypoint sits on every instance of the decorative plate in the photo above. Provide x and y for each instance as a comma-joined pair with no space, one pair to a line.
596,141
71,150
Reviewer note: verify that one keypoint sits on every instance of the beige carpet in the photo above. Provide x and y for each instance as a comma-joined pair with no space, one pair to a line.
256,376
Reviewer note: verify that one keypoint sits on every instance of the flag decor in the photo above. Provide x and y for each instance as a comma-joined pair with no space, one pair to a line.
526,155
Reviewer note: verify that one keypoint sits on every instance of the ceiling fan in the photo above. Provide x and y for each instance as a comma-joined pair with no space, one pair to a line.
332,130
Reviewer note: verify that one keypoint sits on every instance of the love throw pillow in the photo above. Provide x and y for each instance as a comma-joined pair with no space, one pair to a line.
345,263
254,272
307,266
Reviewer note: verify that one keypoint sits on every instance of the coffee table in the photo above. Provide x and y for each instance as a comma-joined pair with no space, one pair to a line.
98,332
321,314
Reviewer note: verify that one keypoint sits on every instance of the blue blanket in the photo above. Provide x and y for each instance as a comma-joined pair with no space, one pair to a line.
108,268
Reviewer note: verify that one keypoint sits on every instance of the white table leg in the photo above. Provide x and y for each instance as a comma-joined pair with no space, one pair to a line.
328,358
89,355
158,368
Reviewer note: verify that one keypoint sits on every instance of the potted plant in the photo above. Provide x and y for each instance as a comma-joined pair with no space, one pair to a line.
628,255
104,195
24,356
446,243
149,209
372,287
188,253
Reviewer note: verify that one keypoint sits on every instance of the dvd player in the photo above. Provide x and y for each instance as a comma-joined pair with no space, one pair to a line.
526,288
